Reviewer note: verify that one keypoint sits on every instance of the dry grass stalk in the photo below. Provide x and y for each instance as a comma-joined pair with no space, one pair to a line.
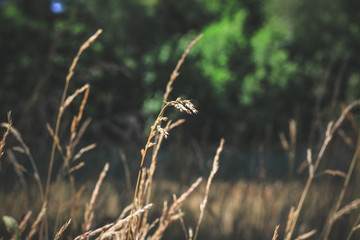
68,156
290,148
309,161
344,113
345,210
306,235
76,120
8,129
142,235
346,138
276,233
175,124
284,142
142,187
332,173
125,211
163,132
356,227
25,220
84,150
81,131
142,193
19,169
183,106
175,73
126,167
55,139
302,167
331,129
158,141
160,133
77,167
25,150
58,120
290,219
34,227
89,209
351,118
332,215
89,234
74,136
214,169
181,219
178,203
62,230
156,128
292,152
83,47
122,225
191,234
170,215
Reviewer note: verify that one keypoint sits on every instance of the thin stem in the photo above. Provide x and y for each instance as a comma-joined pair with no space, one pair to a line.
143,154
330,222
331,129
68,77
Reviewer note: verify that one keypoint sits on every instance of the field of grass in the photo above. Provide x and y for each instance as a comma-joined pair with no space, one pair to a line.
240,210
321,206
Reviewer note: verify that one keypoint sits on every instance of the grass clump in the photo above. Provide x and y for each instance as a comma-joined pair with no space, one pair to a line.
134,221
74,214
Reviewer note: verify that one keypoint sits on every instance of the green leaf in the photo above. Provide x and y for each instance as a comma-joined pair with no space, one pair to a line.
11,224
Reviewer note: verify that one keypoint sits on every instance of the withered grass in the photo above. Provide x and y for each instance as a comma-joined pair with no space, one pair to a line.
134,222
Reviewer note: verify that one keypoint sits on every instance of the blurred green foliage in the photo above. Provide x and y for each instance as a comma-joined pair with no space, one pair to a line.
259,63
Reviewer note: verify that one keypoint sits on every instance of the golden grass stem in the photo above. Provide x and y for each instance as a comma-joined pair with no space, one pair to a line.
62,230
19,169
276,233
331,217
126,167
152,169
306,235
35,225
181,220
143,154
89,211
331,129
25,149
8,129
57,125
175,73
169,214
214,169
83,47
89,234
355,227
152,134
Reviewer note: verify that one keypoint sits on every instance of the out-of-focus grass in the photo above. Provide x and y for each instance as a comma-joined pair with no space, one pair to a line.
241,210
